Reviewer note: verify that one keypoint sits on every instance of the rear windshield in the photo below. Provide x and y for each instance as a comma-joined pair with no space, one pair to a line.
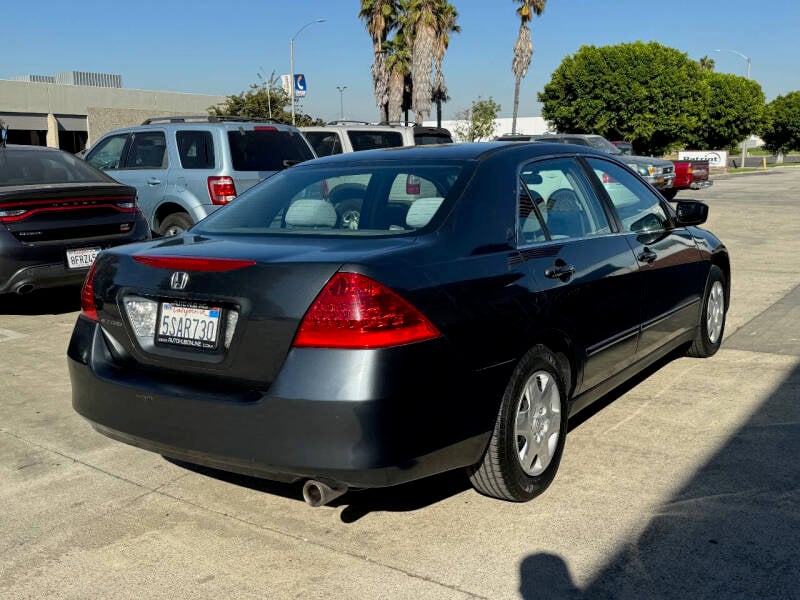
426,138
357,200
30,167
268,150
369,140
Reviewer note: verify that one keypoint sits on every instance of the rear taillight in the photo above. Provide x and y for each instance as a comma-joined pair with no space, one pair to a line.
690,169
221,190
608,178
88,308
412,185
354,311
193,263
265,128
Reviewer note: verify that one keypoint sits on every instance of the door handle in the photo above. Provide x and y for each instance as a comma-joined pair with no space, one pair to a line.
562,272
153,181
647,256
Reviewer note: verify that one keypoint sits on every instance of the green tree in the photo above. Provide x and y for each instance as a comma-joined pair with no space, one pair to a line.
649,94
781,130
265,100
523,48
446,24
735,110
706,63
398,65
477,122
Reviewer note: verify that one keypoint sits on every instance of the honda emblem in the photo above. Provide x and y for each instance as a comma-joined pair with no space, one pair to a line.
179,280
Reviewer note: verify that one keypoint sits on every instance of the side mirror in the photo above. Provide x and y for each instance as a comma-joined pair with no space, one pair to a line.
691,212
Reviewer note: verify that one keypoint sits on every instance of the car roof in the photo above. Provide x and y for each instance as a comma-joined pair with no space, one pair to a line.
465,151
29,148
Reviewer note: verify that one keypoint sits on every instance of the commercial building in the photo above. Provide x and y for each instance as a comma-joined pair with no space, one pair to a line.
70,110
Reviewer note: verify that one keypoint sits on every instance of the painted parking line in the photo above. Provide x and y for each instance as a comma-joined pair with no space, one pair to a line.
7,335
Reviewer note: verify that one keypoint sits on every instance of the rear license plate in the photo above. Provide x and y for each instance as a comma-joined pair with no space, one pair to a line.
81,258
188,324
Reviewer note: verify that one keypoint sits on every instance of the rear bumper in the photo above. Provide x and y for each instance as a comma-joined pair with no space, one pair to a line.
378,427
43,265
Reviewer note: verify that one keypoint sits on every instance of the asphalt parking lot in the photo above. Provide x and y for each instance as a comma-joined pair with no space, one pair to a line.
685,485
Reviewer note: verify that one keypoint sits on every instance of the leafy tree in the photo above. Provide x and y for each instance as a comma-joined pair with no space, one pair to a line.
446,24
735,110
265,100
781,131
649,94
478,121
523,48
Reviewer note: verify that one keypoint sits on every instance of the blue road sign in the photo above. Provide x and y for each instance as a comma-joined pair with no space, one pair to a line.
299,85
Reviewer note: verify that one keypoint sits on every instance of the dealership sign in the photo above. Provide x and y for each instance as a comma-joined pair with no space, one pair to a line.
715,158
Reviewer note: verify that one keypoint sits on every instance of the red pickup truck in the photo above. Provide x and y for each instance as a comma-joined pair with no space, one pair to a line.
689,174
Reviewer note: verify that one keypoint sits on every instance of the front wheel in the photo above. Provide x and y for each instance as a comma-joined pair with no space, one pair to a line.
528,439
174,224
712,318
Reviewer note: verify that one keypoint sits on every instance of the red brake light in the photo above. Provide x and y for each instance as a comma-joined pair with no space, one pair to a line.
265,128
186,263
354,311
221,189
88,308
608,178
412,185
690,169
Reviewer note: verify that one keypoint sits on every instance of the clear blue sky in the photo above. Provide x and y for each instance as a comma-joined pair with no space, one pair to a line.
219,47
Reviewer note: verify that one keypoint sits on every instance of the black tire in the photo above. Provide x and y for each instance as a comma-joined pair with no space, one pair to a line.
669,193
710,330
500,473
174,224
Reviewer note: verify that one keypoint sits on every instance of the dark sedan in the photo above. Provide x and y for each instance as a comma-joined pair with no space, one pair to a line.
460,328
56,214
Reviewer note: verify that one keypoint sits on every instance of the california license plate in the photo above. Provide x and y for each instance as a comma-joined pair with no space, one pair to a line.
80,258
188,324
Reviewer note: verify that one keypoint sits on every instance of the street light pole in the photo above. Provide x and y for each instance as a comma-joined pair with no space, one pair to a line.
291,62
341,89
747,59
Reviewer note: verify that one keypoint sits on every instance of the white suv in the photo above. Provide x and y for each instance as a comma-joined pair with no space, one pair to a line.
339,137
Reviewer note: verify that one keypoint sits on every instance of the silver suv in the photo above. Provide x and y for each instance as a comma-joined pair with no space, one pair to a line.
658,172
340,137
184,168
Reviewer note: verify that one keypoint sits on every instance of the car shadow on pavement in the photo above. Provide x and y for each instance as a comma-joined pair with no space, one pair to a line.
51,301
733,531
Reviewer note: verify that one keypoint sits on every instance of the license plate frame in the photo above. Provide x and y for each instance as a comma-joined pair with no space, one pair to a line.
185,324
81,258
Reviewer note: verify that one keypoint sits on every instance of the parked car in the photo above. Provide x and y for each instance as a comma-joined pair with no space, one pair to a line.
56,214
689,174
351,136
185,168
459,330
656,171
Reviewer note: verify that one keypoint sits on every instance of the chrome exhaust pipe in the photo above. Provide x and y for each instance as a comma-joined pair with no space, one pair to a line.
316,493
24,289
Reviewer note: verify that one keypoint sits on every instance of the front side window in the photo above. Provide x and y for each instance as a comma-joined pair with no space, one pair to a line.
369,140
362,200
563,197
148,151
638,207
107,153
196,149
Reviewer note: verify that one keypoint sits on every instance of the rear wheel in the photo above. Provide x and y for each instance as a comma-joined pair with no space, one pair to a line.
528,439
712,319
175,223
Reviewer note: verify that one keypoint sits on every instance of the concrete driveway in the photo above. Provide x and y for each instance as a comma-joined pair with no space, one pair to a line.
684,485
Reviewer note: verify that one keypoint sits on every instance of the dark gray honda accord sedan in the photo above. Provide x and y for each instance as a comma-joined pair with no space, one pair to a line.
475,297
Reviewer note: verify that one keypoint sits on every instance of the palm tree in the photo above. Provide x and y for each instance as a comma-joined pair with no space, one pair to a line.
446,24
706,63
380,17
523,48
398,67
422,23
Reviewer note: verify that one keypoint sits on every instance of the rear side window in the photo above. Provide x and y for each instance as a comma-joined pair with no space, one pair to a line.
267,150
369,140
196,149
148,151
432,137
324,143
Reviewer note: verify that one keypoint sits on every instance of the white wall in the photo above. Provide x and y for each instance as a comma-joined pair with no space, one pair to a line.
529,125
